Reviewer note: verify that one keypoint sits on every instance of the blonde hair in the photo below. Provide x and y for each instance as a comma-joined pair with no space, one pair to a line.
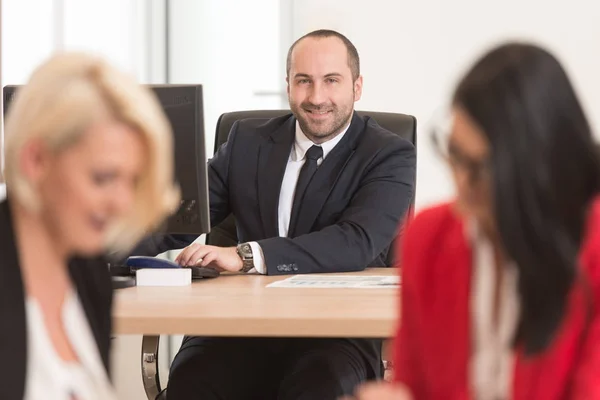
63,98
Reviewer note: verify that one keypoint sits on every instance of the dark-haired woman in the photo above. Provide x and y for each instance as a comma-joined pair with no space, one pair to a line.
501,288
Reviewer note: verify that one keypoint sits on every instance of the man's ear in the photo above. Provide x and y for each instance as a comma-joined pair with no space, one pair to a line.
358,84
287,86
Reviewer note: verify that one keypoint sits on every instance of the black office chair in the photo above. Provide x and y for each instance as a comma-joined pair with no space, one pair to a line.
225,233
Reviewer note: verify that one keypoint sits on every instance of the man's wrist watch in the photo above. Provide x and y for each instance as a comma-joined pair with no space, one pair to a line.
244,250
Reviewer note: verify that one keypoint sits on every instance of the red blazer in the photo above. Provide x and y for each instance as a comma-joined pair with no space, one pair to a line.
433,345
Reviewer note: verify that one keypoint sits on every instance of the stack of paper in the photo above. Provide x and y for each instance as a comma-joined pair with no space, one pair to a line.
324,281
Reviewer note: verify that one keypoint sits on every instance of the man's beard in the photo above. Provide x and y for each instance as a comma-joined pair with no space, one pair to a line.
325,129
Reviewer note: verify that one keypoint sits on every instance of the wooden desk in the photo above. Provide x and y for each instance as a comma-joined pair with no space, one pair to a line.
241,305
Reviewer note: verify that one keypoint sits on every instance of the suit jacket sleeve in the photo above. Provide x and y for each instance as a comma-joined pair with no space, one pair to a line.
218,172
365,228
157,243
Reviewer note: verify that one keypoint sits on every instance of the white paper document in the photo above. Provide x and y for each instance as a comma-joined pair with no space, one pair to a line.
356,282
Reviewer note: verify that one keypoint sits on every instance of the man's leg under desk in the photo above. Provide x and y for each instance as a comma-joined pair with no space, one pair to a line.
225,369
267,368
324,369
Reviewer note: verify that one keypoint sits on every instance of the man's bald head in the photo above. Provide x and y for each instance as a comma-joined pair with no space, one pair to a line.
353,59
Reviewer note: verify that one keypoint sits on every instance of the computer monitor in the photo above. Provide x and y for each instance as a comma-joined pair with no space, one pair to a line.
183,107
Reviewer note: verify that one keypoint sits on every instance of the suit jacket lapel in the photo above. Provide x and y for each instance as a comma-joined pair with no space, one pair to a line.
326,177
272,162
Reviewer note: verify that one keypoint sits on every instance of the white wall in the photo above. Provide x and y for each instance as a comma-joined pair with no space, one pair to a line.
22,46
232,48
33,29
106,27
413,52
120,30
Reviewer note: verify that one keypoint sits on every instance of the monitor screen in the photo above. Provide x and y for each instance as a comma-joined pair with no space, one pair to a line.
183,106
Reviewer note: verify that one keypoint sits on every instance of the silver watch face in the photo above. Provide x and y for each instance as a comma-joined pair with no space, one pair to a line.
245,250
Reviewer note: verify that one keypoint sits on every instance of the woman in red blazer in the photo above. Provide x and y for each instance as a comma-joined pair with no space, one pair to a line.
501,288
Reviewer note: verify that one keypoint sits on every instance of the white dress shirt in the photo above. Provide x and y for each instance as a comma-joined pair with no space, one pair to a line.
288,186
50,377
492,359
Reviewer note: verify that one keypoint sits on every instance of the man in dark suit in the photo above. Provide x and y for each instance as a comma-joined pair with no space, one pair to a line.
319,190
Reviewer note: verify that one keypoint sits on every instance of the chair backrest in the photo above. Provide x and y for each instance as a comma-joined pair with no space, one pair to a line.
403,125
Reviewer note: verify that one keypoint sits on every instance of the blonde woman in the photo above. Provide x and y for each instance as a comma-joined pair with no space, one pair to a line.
88,171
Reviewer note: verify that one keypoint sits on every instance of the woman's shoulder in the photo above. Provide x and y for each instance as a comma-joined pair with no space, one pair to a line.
435,214
593,220
590,254
435,232
432,223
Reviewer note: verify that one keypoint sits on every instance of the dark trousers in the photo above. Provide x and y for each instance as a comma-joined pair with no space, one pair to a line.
268,368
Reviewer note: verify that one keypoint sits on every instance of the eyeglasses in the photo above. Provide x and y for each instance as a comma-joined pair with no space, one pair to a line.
478,171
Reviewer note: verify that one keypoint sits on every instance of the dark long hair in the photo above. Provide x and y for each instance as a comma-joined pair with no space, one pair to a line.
545,169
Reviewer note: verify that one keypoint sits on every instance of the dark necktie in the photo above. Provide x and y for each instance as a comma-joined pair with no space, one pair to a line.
306,173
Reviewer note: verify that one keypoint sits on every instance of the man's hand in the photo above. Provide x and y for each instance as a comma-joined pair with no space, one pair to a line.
380,391
219,258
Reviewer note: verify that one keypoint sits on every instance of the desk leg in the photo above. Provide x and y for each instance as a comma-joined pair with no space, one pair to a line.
150,377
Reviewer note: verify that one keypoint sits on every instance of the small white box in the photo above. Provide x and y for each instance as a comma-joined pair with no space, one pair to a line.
163,277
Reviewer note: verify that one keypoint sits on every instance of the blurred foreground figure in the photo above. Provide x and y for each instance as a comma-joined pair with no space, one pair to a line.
501,288
88,172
